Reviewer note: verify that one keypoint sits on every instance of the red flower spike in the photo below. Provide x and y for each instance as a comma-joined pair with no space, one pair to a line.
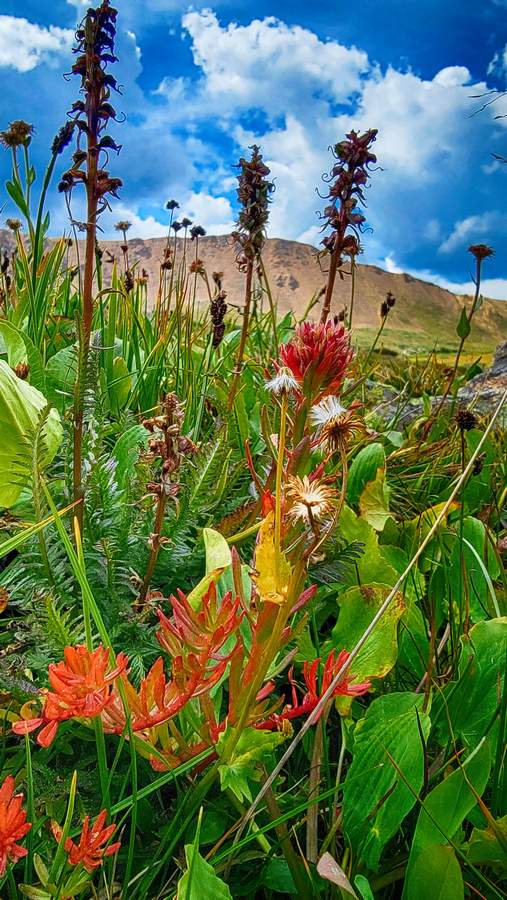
81,687
13,824
202,632
318,356
156,701
91,849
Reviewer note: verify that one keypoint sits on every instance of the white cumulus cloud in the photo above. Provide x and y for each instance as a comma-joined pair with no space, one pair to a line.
474,228
24,45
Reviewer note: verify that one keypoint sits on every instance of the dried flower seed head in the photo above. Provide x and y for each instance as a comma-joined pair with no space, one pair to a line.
186,223
336,426
196,267
128,281
14,224
123,225
217,278
318,357
253,193
172,205
390,299
176,226
309,501
481,251
347,181
62,138
283,382
218,309
197,231
18,134
465,419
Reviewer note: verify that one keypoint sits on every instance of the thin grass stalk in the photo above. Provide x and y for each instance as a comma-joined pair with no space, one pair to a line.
244,335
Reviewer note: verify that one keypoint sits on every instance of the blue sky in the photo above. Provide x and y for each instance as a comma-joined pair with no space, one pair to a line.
203,82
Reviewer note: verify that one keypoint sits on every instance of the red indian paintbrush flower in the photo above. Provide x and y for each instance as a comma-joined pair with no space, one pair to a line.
13,824
332,666
91,849
81,687
318,356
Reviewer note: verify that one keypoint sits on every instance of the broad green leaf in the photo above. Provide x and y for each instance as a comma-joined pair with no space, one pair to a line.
21,406
374,502
358,606
20,348
126,452
60,377
436,873
218,553
277,877
363,886
200,881
364,469
472,704
472,566
251,750
372,565
120,385
389,759
488,846
463,327
446,806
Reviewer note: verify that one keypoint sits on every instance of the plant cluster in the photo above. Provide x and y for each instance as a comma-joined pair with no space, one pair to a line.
254,626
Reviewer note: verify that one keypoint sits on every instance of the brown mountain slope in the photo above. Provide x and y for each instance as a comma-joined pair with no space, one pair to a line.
425,315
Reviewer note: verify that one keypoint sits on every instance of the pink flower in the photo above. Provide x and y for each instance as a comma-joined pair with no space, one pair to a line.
318,356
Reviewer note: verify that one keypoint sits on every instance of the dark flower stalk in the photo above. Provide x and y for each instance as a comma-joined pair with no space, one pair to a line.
480,252
253,195
90,117
347,181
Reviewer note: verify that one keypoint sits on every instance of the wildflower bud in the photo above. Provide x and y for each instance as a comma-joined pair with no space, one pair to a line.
13,224
172,205
253,196
186,222
128,281
22,370
197,231
62,139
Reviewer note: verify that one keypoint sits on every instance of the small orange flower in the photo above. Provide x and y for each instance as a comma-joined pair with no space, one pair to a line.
82,687
13,824
90,851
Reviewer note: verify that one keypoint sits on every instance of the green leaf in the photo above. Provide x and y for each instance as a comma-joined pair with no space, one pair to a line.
358,606
218,553
251,750
126,452
372,566
392,727
472,704
374,501
21,349
277,877
446,806
60,376
472,566
364,469
488,846
21,406
120,384
436,873
463,327
200,881
363,886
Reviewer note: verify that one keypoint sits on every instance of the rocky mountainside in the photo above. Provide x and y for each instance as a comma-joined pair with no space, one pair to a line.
424,314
